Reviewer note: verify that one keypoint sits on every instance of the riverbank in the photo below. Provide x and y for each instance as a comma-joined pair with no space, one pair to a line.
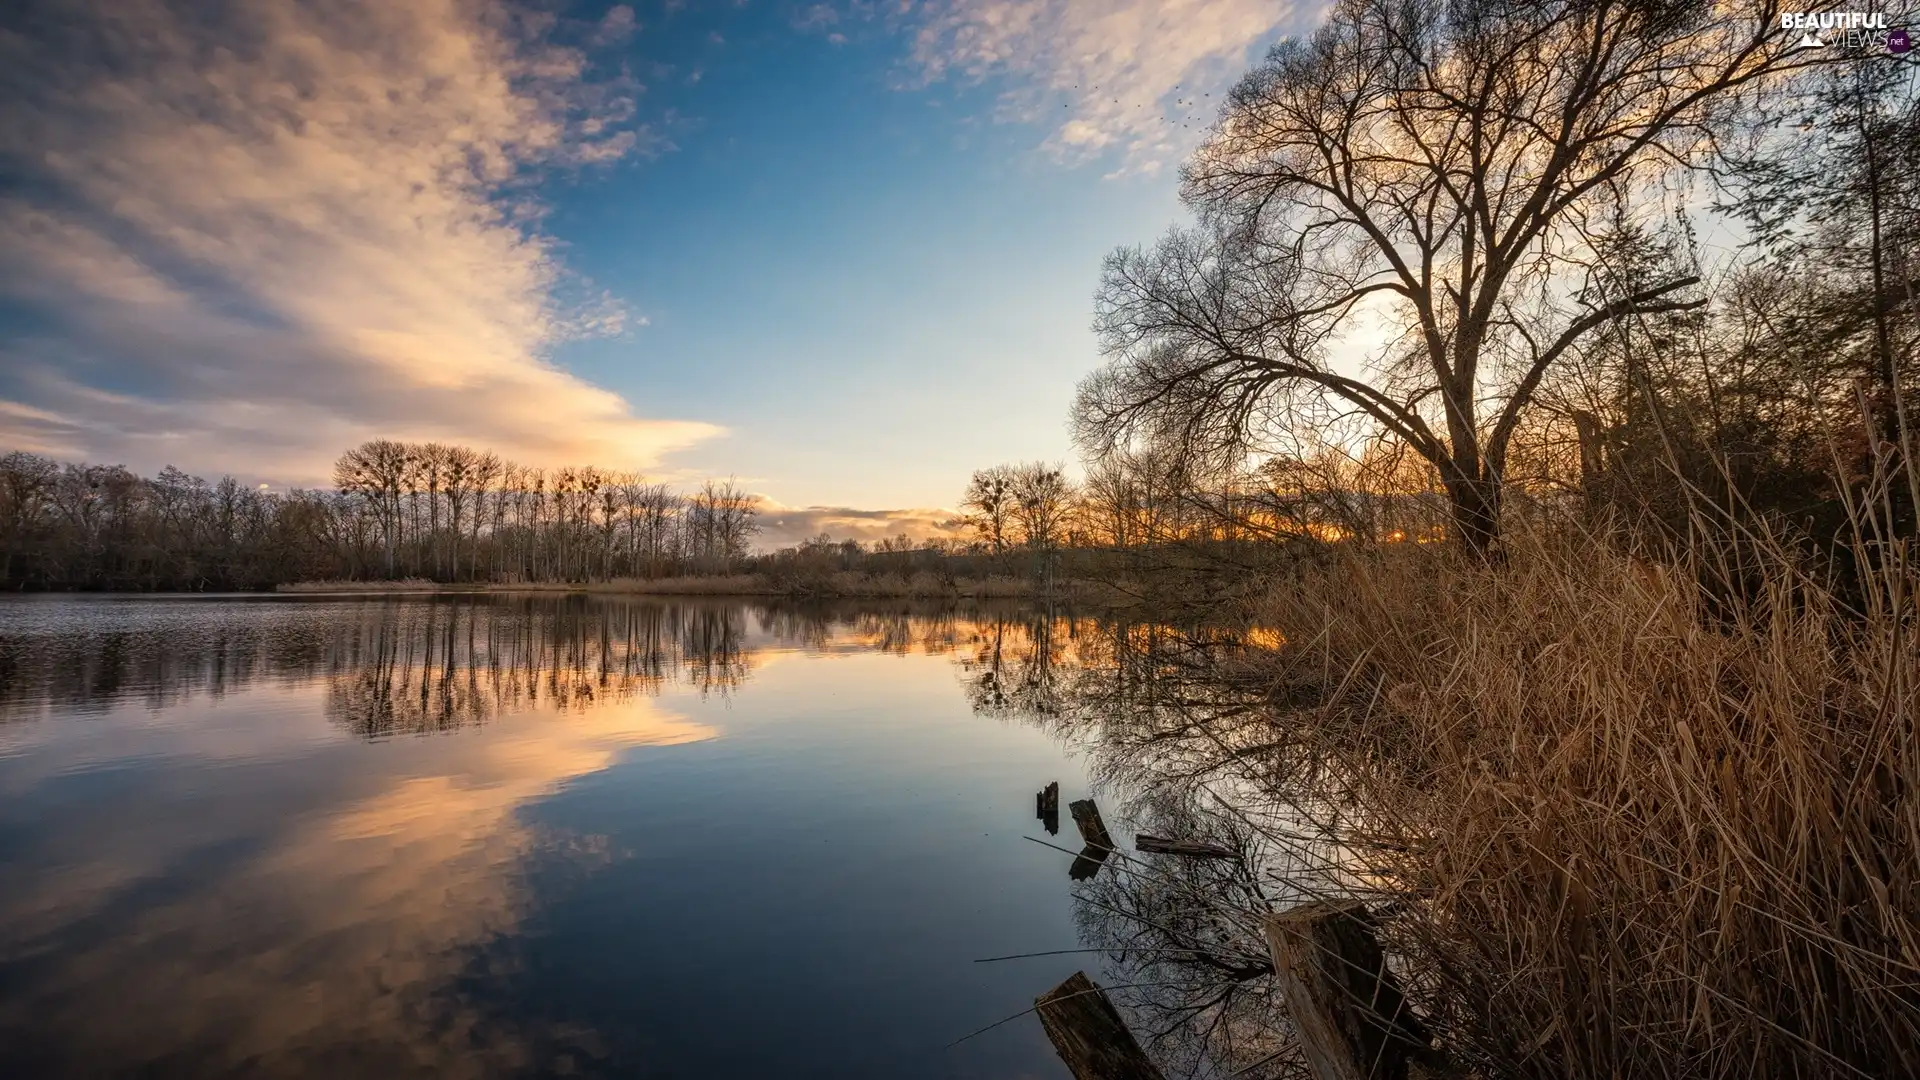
844,585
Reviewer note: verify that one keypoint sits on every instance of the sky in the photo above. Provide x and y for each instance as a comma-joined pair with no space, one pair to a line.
844,252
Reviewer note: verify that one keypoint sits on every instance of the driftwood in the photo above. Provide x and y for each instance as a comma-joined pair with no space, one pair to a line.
1092,829
1348,1013
1087,1032
1046,807
1197,849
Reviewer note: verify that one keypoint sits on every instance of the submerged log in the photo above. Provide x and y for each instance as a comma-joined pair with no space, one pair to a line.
1092,829
1348,1013
1197,849
1046,807
1087,1032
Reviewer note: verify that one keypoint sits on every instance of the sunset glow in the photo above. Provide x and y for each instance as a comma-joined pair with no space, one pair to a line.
526,231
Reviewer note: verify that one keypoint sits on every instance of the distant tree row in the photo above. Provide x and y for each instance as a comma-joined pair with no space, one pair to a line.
455,514
398,510
1145,498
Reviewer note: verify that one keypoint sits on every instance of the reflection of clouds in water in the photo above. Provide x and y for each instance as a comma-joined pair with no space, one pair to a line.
298,837
335,948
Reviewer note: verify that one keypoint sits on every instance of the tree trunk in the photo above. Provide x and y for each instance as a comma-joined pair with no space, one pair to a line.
1474,504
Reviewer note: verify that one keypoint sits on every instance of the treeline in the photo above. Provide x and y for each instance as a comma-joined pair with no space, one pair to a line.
398,510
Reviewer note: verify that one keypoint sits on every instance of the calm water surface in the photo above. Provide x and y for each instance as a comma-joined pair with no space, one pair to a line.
516,836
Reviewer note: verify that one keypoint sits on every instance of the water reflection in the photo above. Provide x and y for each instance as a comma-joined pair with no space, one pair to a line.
1178,724
410,667
254,852
234,844
434,667
391,667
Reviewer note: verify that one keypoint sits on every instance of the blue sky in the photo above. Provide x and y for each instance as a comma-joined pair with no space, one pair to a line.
845,253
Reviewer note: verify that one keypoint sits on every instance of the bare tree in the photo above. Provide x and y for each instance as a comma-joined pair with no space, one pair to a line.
1042,499
1450,169
378,470
434,461
723,519
659,513
26,482
989,503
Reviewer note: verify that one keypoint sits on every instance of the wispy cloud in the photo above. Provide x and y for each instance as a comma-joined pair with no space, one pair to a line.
1137,78
616,26
246,235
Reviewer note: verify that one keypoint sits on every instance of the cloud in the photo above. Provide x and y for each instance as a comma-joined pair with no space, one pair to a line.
1140,77
616,26
244,236
816,17
783,526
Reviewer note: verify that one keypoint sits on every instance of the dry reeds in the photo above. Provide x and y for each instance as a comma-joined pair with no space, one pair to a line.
1638,827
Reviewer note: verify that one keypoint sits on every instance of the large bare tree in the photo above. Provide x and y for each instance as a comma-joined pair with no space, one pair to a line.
1447,174
379,470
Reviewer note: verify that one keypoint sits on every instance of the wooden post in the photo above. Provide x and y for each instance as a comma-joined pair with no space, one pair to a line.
1348,1013
1092,829
1046,807
1087,1032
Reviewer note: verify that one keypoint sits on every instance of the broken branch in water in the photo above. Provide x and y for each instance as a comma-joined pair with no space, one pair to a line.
1092,829
1197,849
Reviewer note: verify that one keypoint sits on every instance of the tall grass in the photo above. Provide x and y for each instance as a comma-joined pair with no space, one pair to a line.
1636,825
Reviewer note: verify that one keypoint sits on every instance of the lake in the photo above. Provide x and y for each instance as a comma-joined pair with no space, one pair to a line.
528,835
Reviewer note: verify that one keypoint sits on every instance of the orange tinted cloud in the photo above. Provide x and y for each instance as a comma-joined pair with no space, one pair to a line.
782,526
264,231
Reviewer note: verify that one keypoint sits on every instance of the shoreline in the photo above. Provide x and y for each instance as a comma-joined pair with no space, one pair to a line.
841,587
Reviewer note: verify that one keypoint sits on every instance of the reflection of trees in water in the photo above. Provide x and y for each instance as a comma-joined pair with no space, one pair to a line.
1178,722
388,666
416,665
433,667
1012,663
1192,970
177,650
1167,713
899,628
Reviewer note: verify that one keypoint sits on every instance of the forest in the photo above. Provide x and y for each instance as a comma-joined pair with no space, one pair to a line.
398,510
